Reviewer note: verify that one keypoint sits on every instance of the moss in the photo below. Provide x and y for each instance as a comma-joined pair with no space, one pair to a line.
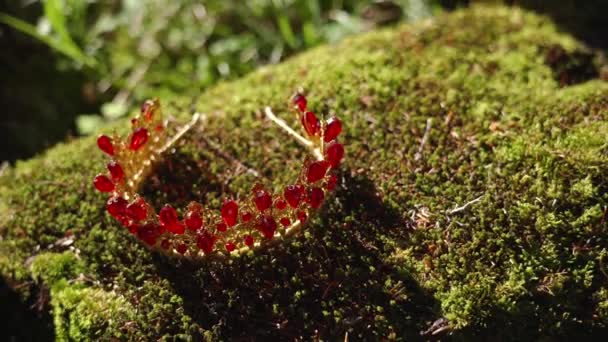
497,223
86,313
50,268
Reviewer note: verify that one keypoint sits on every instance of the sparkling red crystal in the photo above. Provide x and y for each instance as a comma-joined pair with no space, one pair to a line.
267,226
116,171
293,194
169,220
280,203
248,240
124,221
331,182
301,216
148,233
311,123
206,242
178,228
262,200
332,129
193,220
315,197
167,215
117,207
230,246
133,228
146,110
246,216
299,101
334,154
221,227
285,221
137,210
182,248
230,212
138,139
316,171
105,144
103,183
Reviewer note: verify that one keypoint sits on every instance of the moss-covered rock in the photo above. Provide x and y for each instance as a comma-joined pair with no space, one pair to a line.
495,226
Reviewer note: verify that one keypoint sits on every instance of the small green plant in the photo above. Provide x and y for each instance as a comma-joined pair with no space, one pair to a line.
133,50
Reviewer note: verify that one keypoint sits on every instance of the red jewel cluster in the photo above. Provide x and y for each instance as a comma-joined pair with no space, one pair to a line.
198,231
147,135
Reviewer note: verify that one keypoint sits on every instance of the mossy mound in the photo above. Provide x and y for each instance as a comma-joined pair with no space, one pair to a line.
494,226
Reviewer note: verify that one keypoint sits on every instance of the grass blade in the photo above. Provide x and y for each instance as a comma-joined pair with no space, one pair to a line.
57,45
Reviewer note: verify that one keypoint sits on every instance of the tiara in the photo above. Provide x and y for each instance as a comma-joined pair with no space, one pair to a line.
236,227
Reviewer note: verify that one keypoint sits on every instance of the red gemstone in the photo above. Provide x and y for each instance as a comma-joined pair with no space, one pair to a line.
105,144
230,246
178,228
334,154
316,171
248,240
133,228
167,215
246,216
116,171
300,101
315,197
285,221
103,183
267,225
148,233
138,139
332,130
146,110
280,203
124,221
230,212
310,123
193,220
169,220
117,206
221,227
205,242
331,183
137,210
293,194
182,248
301,216
165,244
262,200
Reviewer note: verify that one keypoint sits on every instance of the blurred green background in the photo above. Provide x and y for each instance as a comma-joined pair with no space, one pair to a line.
69,66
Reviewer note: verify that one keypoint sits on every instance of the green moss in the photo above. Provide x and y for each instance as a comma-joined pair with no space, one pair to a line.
396,248
50,268
85,313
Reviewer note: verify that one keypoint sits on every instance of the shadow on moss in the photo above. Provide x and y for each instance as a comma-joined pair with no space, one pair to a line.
24,321
323,282
167,184
571,68
521,323
583,19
